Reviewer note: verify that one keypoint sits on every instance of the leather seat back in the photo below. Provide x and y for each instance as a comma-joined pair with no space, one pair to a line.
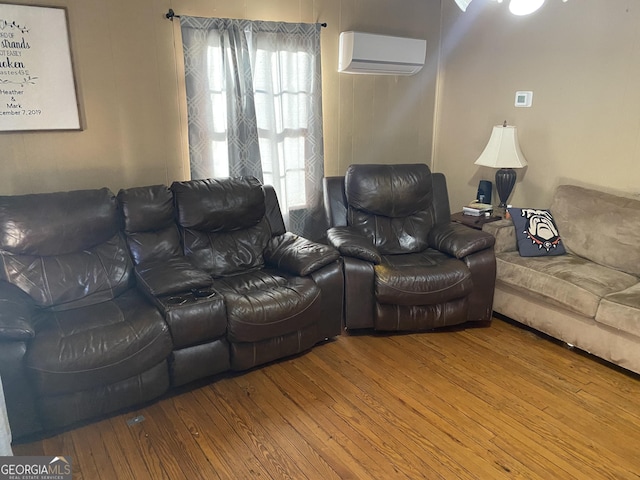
223,223
392,205
149,223
64,249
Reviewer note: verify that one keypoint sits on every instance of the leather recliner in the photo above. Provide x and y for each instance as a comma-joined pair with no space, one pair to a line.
76,339
106,302
406,265
282,293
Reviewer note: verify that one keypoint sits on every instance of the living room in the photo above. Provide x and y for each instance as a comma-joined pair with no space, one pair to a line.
576,56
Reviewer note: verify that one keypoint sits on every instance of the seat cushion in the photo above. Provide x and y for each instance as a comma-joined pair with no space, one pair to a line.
567,281
425,278
96,345
621,310
264,304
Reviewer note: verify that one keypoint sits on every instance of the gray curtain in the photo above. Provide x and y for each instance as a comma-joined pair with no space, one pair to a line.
254,102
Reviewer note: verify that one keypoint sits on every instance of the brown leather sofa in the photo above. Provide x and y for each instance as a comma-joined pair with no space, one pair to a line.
406,265
106,303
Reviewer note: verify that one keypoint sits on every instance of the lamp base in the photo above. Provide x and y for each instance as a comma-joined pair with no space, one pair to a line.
505,180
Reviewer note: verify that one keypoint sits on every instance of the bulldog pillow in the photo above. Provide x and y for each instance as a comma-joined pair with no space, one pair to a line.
536,232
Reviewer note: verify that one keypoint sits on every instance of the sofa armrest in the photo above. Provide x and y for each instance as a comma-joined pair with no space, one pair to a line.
171,276
352,243
298,255
458,240
16,308
505,235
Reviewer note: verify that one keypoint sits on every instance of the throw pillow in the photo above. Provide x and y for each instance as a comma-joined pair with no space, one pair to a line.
536,232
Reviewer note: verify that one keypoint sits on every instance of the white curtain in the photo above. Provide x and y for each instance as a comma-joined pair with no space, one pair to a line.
254,104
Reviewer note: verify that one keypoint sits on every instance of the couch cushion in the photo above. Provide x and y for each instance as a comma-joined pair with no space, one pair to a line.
568,281
149,223
217,205
265,304
49,224
425,278
536,232
599,226
227,253
223,224
392,205
64,249
96,345
621,310
76,279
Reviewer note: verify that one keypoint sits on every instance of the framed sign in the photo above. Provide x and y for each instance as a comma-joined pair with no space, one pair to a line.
37,88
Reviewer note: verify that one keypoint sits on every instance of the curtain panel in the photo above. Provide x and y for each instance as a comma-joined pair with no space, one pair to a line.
254,103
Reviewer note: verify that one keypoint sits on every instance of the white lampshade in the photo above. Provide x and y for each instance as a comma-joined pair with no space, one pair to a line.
463,4
524,7
503,150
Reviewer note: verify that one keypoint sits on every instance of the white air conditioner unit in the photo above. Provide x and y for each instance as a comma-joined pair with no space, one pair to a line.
380,54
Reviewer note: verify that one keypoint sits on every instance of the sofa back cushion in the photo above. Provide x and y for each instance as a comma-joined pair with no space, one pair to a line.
599,226
391,204
223,224
149,223
64,249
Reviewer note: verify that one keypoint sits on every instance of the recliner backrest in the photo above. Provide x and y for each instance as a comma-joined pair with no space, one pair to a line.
149,223
64,249
391,204
223,223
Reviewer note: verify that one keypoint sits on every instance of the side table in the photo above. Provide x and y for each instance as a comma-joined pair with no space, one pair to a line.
473,222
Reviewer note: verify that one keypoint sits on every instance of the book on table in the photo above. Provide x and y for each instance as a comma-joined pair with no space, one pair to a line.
476,209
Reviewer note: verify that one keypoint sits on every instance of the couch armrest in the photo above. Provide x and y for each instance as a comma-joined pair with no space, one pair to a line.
171,276
505,235
458,240
16,309
298,255
352,243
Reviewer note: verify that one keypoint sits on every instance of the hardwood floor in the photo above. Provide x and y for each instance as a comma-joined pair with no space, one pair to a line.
482,403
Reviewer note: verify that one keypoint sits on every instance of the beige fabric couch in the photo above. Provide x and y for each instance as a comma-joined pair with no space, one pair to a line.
590,297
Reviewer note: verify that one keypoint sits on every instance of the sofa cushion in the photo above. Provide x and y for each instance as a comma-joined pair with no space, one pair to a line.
49,224
173,275
223,224
227,253
64,249
265,304
425,278
149,223
536,232
96,345
568,281
218,205
89,276
599,226
621,310
392,205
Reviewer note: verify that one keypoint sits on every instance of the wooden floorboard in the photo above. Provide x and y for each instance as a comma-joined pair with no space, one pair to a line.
500,402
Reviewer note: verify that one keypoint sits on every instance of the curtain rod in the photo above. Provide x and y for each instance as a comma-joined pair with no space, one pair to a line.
170,15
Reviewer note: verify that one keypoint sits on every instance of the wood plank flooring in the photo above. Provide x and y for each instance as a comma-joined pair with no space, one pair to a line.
481,403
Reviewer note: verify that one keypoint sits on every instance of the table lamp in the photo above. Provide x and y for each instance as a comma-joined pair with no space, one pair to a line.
503,152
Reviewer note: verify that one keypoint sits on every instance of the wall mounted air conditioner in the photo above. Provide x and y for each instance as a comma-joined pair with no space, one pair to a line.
380,54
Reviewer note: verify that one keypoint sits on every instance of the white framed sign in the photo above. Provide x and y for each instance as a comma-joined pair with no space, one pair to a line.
37,87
